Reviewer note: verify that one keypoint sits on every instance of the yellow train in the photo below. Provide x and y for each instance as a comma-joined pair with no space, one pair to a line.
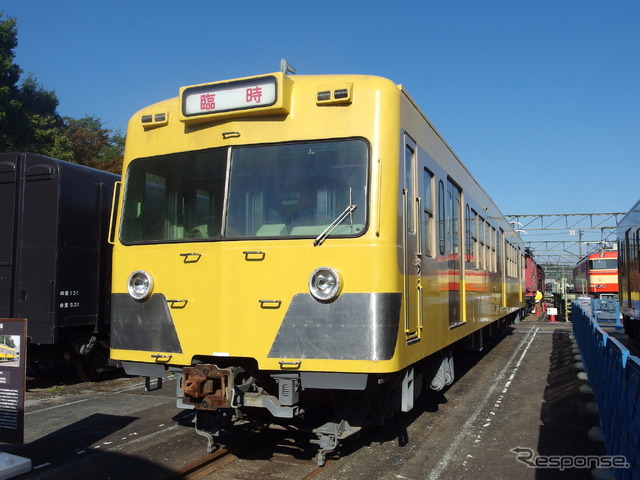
281,240
7,353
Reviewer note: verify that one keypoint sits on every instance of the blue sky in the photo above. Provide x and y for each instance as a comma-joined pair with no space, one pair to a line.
540,99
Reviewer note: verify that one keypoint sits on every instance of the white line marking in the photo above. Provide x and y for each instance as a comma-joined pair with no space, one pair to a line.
120,390
453,447
55,406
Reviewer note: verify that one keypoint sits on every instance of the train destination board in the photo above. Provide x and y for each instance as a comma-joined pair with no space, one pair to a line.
231,96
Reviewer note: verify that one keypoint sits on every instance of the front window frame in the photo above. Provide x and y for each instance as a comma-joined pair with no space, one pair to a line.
347,229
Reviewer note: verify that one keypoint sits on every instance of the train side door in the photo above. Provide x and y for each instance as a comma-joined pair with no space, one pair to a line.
8,185
36,253
452,251
411,242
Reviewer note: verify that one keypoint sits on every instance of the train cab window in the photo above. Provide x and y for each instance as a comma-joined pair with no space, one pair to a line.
272,191
427,213
297,189
603,264
161,203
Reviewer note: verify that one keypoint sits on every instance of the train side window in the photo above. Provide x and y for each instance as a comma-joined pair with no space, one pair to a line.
474,238
500,267
481,239
489,247
507,257
637,250
511,260
427,219
521,264
493,250
441,217
453,221
467,233
409,162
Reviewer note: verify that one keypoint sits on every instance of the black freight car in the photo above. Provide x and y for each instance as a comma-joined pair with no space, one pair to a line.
55,261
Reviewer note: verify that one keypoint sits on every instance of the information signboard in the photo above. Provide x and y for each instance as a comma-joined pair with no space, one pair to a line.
12,379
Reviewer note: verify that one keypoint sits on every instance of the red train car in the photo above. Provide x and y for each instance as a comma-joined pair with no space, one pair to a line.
534,280
596,275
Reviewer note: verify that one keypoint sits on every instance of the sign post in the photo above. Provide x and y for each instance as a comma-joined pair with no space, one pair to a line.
13,347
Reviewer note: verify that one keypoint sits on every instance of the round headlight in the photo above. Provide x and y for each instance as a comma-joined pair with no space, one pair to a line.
325,284
140,285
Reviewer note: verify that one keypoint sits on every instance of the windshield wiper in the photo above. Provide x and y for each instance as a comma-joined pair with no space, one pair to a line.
323,236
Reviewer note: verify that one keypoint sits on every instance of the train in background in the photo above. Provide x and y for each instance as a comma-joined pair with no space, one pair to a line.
55,260
628,237
596,275
534,280
283,242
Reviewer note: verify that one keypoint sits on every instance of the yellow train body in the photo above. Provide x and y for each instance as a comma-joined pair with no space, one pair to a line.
423,258
8,353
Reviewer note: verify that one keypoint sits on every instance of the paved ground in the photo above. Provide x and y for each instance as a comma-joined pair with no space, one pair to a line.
522,394
519,398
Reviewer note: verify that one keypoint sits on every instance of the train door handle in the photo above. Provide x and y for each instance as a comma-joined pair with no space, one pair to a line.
270,303
290,364
180,304
191,257
254,256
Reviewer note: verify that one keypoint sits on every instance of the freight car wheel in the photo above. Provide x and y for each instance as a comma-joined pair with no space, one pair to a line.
91,366
85,367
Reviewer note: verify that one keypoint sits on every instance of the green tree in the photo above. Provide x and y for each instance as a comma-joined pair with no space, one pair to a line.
86,141
29,120
28,116
7,340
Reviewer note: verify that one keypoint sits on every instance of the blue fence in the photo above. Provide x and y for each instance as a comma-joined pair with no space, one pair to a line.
604,312
614,376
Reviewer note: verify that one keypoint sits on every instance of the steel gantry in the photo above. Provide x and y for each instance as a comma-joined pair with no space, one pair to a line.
559,241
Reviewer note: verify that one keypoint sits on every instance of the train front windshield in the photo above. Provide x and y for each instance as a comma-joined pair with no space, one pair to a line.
603,264
266,191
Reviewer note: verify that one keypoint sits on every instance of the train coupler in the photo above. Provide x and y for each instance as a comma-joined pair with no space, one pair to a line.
207,387
329,436
209,425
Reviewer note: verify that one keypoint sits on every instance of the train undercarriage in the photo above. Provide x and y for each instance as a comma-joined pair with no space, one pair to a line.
228,391
88,355
222,396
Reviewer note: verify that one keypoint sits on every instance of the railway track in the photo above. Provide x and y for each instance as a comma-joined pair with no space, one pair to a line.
218,464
